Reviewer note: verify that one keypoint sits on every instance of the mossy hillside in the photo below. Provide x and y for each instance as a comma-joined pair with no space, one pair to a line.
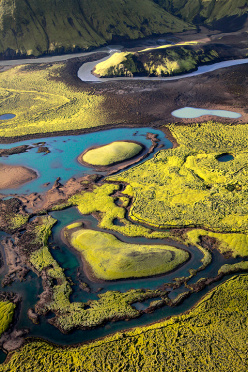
204,339
205,192
7,309
50,27
163,61
111,259
112,153
44,104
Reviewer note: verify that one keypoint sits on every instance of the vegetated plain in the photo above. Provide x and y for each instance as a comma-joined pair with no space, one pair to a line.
44,105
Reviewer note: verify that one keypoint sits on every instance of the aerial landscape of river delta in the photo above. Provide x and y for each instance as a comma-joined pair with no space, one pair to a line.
123,185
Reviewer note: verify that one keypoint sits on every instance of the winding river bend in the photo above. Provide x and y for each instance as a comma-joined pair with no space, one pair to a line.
85,71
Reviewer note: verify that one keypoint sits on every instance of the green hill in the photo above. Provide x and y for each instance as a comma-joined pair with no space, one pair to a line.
167,60
29,27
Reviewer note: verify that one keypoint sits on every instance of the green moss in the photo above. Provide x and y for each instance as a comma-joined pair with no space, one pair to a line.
191,342
165,60
201,194
74,225
6,315
111,259
43,229
234,244
110,305
101,201
43,104
18,220
234,268
112,153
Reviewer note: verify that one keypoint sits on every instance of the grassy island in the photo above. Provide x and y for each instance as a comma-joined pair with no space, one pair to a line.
111,259
165,60
112,153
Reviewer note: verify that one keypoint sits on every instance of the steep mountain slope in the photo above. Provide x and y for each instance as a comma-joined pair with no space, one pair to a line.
225,15
28,27
31,27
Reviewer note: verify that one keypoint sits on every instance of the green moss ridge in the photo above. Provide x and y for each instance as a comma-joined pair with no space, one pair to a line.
111,259
112,153
165,60
203,339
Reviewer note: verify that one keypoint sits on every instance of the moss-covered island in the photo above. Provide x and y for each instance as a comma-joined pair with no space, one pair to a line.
111,259
111,154
166,60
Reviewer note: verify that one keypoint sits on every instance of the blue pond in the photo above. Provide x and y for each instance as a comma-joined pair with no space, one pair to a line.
7,116
192,113
62,159
225,157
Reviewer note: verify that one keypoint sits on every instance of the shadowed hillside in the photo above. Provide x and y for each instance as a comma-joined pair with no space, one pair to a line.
224,15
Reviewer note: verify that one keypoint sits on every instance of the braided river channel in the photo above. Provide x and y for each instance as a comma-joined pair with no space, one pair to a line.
62,162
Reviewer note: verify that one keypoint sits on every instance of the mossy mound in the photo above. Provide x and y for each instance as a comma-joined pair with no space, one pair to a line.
112,153
165,60
111,259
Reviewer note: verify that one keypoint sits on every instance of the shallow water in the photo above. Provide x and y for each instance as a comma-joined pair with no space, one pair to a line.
191,113
62,160
7,116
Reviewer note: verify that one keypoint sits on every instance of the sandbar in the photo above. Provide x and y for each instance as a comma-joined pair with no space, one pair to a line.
13,176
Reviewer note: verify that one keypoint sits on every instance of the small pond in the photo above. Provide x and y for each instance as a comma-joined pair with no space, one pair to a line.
192,113
7,116
225,157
